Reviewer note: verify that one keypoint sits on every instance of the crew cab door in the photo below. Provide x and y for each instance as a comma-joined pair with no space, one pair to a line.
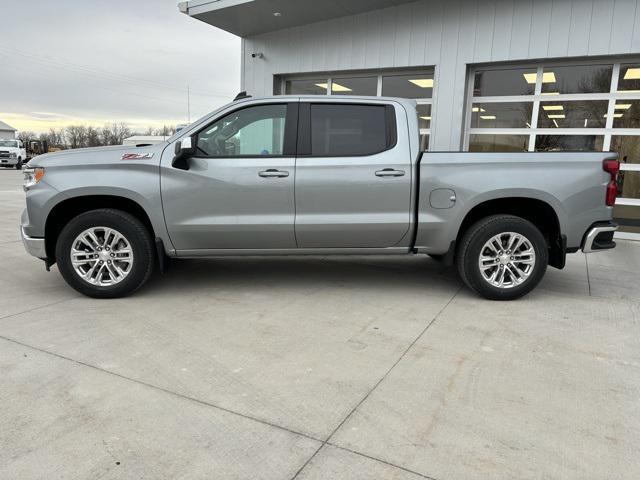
238,191
353,175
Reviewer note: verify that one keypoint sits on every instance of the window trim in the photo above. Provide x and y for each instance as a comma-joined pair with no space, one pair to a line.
304,129
289,134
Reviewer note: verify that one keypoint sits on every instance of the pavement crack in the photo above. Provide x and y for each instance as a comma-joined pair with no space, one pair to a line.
162,389
368,394
38,308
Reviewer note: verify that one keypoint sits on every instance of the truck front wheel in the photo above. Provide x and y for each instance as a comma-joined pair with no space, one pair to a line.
105,253
502,257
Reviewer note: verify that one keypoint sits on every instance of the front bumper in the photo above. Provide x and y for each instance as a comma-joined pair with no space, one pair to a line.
34,246
8,162
599,237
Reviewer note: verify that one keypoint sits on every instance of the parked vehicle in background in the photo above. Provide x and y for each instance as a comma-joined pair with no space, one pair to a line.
293,175
12,154
144,140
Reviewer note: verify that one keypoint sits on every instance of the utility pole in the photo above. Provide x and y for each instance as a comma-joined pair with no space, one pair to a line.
188,104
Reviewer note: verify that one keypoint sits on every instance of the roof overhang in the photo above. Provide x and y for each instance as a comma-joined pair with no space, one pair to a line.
253,17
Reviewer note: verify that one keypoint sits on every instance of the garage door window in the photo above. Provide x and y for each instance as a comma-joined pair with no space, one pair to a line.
418,85
579,106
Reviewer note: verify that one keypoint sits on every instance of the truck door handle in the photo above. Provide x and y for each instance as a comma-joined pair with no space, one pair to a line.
273,173
390,172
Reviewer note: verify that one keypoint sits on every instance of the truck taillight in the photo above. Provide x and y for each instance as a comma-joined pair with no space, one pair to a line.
612,167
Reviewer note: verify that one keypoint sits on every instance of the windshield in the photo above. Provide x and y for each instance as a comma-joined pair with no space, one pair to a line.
9,143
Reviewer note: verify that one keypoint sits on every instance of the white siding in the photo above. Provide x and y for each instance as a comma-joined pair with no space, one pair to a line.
450,35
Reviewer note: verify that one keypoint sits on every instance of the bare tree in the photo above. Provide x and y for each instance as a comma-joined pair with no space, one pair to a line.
93,137
115,133
166,130
76,136
54,138
26,137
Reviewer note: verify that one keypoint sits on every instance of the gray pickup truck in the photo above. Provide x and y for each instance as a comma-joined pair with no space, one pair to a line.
314,176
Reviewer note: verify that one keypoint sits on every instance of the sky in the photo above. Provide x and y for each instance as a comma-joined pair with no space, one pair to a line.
97,61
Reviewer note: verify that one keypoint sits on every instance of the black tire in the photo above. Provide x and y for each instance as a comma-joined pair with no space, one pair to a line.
470,249
128,225
19,164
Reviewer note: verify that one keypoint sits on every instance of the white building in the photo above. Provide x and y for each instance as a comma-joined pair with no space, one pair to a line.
6,131
489,75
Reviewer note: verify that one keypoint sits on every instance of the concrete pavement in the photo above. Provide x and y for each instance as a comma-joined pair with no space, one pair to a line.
318,368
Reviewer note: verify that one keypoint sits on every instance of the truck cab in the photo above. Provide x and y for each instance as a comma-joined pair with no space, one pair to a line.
12,153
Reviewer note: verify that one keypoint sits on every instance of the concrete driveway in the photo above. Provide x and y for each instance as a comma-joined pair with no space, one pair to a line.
348,368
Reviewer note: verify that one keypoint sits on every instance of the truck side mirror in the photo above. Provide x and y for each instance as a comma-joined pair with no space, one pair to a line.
184,149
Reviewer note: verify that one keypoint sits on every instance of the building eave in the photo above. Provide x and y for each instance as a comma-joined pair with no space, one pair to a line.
246,18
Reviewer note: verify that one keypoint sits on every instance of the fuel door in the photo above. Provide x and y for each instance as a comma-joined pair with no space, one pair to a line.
442,198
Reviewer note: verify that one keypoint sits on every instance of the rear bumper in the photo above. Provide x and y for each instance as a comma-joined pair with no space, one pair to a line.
599,237
34,246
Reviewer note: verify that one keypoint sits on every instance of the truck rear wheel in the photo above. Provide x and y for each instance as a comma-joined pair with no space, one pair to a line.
502,257
105,253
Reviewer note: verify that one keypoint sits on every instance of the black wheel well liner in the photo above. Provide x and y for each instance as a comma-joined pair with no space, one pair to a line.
66,210
538,212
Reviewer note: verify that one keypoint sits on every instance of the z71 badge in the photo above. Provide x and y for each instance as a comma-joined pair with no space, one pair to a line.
136,156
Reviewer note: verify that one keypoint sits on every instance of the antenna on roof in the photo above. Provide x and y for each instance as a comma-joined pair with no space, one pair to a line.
241,95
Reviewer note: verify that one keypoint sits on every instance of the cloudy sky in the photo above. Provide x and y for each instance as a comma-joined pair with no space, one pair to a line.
97,61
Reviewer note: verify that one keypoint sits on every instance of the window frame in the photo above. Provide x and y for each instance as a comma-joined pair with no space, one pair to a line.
304,147
289,149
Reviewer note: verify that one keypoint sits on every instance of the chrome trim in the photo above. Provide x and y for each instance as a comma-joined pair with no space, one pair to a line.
34,246
258,252
591,236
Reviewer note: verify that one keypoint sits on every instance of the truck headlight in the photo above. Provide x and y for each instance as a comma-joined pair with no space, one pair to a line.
13,155
32,176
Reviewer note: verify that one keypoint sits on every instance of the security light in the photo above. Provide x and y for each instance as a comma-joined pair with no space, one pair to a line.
488,117
552,107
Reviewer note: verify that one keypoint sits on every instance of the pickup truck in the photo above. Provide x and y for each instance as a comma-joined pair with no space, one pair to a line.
296,175
12,153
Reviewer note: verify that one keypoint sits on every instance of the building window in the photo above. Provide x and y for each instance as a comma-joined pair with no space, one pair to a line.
418,85
579,106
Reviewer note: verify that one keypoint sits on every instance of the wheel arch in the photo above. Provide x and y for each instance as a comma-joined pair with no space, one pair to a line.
539,212
69,208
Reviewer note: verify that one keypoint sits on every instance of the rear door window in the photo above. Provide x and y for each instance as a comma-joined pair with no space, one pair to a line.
342,130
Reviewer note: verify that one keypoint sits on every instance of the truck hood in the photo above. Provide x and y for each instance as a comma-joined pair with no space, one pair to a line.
10,149
100,155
